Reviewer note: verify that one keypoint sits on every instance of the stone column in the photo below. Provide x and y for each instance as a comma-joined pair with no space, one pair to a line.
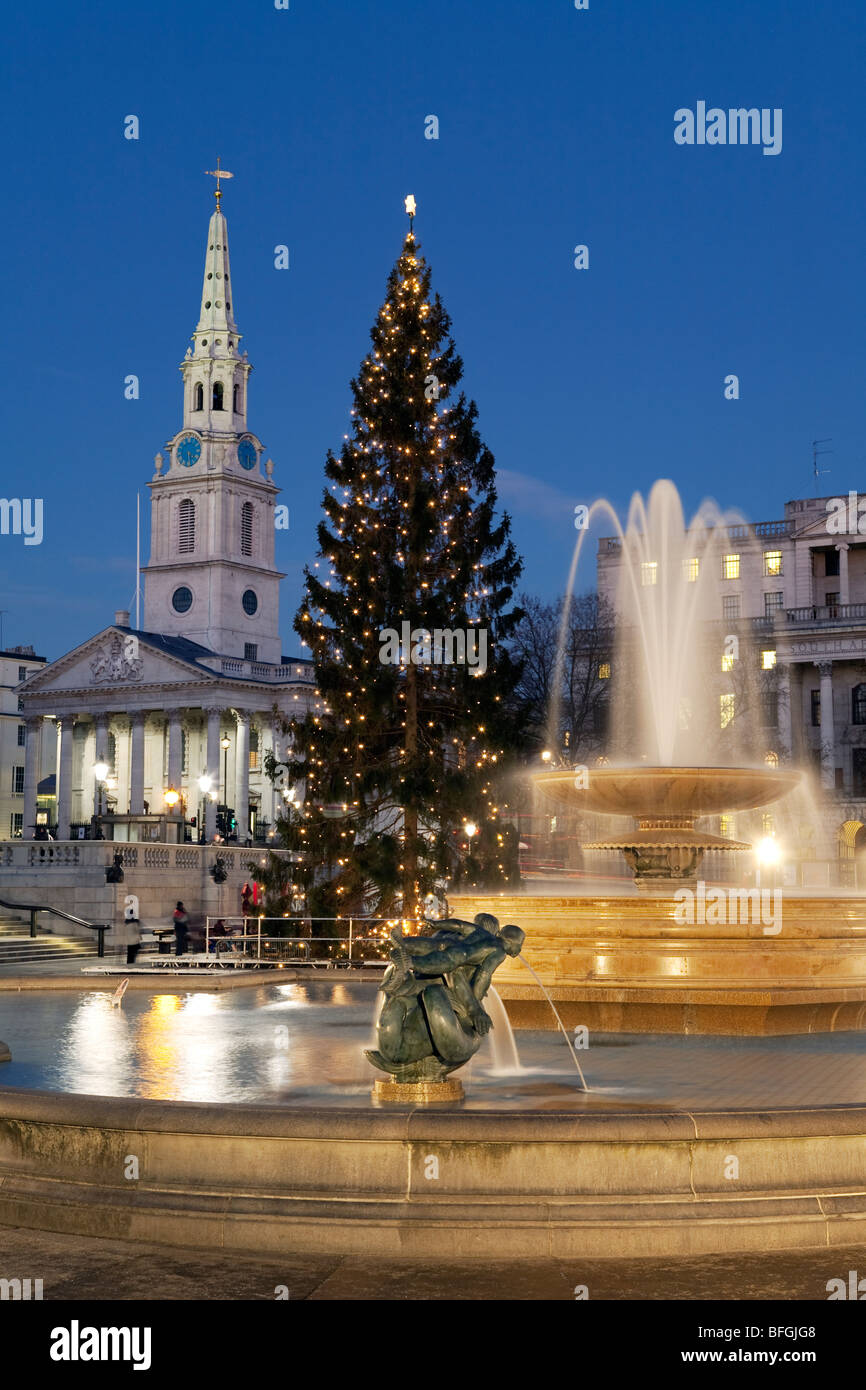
266,744
32,751
57,728
121,762
242,774
786,747
214,770
136,763
844,589
828,737
64,788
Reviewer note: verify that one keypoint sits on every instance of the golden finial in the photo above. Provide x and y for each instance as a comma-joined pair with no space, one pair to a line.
218,174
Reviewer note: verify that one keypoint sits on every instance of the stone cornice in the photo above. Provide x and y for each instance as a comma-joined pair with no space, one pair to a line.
152,696
815,647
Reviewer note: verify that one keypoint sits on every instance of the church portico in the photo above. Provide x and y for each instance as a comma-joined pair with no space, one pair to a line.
126,759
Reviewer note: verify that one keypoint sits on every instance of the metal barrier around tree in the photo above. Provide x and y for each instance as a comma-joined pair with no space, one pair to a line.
344,940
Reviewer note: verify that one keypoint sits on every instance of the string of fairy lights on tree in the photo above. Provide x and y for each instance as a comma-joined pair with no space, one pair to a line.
399,756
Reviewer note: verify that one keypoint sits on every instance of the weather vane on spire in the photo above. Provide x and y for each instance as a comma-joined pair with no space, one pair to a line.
218,174
409,204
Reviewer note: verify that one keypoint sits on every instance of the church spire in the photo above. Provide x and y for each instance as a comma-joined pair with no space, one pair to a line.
215,370
212,575
216,333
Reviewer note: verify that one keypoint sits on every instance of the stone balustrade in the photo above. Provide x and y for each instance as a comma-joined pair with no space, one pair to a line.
70,875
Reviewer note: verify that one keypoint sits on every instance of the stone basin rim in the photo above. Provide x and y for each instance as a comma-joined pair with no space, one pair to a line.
236,1119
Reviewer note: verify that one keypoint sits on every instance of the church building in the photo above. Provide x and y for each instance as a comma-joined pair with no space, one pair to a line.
159,726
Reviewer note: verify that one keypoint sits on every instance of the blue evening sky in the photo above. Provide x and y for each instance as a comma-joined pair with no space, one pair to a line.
556,128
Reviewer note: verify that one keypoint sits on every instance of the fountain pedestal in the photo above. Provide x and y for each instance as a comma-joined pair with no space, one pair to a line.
665,849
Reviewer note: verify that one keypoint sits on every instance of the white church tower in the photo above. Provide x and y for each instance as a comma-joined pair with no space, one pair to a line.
211,576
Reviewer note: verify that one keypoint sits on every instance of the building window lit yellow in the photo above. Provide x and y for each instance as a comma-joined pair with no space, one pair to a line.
691,569
649,572
768,825
726,710
730,566
772,562
604,670
768,661
726,826
727,661
771,759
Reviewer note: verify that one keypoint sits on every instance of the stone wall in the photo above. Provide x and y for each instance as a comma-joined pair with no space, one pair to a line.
70,875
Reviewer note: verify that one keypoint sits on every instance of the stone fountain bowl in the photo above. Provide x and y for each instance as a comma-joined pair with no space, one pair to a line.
675,793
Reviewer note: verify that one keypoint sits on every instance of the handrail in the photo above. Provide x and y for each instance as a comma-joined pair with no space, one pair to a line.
33,908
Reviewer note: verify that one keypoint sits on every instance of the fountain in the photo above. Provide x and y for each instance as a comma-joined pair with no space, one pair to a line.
665,803
633,1166
637,961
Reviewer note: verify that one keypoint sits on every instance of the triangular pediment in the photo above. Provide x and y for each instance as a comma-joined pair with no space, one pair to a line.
816,530
118,659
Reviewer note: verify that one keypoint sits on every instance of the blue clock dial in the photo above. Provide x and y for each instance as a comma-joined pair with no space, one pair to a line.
247,454
189,450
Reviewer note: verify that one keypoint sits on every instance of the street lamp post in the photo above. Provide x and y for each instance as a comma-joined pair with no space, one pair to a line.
100,772
205,782
171,797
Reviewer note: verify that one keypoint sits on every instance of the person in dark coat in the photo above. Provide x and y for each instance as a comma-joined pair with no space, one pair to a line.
133,944
181,929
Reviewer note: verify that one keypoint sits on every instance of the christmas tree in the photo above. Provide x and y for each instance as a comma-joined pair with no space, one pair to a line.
407,614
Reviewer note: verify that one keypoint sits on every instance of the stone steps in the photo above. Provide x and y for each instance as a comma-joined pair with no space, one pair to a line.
13,926
25,950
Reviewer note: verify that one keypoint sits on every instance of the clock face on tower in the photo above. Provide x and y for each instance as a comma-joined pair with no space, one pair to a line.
247,454
188,450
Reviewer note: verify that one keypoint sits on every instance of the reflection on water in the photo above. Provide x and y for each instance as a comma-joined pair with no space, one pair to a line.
247,1045
303,1040
302,1043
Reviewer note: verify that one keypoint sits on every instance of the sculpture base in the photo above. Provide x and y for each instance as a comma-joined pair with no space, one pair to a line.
418,1092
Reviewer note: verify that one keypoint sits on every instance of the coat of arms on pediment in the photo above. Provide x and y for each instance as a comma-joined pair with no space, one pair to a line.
116,660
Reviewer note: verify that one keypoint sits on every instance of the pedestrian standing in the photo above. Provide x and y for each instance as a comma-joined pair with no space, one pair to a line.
133,940
181,929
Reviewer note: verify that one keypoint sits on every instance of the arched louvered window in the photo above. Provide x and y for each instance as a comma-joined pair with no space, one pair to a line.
247,528
218,395
186,527
236,398
198,399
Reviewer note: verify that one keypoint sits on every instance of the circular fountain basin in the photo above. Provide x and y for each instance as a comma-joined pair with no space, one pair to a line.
528,1168
682,793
